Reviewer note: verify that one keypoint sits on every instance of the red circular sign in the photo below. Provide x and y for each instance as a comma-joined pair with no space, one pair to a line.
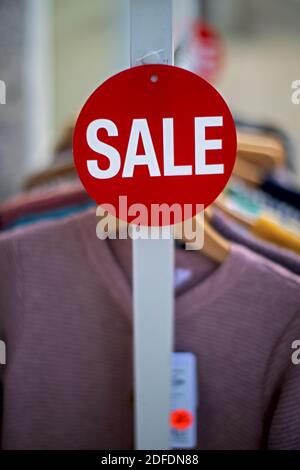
152,135
208,50
181,419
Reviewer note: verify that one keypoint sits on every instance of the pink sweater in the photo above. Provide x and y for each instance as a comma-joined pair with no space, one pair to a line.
66,317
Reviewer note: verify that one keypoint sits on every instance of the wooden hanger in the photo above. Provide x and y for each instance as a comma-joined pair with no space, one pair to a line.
50,174
215,246
62,167
65,139
248,171
234,215
257,154
266,151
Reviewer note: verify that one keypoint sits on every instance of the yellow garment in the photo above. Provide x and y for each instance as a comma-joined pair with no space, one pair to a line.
270,230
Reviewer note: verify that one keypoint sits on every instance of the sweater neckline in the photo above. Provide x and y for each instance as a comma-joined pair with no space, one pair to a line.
195,298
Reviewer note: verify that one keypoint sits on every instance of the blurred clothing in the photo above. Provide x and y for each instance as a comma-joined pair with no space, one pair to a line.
282,192
270,230
68,326
41,200
234,232
65,211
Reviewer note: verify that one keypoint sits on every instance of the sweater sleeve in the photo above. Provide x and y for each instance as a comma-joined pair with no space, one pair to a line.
7,288
282,390
6,294
11,309
11,289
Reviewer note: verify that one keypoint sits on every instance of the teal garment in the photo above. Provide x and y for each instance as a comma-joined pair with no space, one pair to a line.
253,202
242,201
32,218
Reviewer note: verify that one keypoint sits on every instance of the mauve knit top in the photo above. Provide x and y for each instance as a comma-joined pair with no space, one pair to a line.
66,318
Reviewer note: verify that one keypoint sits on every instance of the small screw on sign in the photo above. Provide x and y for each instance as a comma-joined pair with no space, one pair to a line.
181,419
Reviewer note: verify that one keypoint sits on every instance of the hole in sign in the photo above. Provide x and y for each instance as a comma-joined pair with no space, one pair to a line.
154,78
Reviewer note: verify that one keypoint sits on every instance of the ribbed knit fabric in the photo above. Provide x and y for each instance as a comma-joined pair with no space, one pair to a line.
66,317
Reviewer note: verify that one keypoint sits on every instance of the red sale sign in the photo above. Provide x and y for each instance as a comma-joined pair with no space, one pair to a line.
207,51
156,134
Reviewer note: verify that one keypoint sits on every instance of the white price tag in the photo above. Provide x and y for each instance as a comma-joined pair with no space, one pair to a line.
184,401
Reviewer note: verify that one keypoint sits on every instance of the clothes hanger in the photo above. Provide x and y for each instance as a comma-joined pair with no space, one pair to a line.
257,155
249,171
65,138
63,164
50,174
265,150
215,246
234,215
